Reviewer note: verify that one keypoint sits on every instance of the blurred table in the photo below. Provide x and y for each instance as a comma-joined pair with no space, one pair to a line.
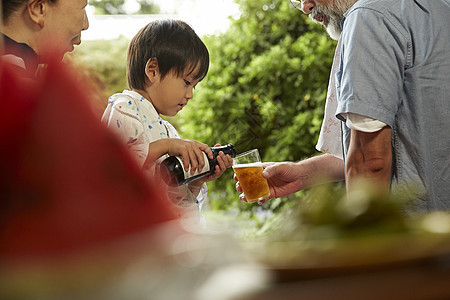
423,279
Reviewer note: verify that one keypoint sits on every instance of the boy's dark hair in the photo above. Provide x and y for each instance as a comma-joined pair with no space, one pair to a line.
10,6
173,43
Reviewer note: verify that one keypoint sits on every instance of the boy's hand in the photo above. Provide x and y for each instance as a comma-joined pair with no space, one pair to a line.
223,162
191,151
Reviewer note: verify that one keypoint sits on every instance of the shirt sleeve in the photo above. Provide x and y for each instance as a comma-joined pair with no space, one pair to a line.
369,80
119,117
363,123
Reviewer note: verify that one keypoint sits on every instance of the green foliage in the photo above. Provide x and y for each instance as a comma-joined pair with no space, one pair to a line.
265,89
328,212
148,7
109,7
104,63
116,7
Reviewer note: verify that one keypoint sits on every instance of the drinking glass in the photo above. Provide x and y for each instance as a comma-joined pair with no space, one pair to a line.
248,169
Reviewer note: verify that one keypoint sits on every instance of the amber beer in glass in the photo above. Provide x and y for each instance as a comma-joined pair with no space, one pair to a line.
248,169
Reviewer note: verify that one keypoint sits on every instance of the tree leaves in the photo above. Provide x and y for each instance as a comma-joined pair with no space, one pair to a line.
265,89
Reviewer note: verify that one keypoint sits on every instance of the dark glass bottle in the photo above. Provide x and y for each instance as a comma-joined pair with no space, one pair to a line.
172,168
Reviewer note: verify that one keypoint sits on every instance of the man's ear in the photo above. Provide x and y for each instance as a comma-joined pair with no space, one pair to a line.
37,9
152,69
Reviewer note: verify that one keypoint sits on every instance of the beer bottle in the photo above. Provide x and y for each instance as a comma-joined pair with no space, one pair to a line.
172,168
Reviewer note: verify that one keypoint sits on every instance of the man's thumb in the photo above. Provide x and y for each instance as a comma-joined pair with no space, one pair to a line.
267,172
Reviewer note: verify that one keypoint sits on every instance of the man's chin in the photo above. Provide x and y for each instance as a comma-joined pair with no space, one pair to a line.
333,33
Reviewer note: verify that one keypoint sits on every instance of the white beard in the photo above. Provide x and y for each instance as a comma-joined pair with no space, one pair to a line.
334,32
334,15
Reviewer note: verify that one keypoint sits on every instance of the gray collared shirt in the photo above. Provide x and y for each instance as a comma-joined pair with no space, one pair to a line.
395,67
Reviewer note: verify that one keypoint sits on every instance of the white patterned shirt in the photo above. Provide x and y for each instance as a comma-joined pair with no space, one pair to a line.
330,139
137,124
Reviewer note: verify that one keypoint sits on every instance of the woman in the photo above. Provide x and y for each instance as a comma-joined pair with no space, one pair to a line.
32,28
67,185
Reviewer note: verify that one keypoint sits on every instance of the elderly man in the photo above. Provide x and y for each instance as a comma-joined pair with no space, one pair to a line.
391,86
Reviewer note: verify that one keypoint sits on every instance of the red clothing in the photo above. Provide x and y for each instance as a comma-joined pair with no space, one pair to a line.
66,183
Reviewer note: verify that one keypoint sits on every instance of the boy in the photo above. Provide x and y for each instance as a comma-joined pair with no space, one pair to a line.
166,60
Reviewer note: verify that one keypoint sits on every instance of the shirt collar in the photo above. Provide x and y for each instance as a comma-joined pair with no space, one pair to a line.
21,50
144,101
351,8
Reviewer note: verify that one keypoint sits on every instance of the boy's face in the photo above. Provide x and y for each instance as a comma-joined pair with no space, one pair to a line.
172,93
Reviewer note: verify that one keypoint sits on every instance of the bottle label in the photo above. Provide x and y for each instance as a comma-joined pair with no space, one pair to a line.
188,173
